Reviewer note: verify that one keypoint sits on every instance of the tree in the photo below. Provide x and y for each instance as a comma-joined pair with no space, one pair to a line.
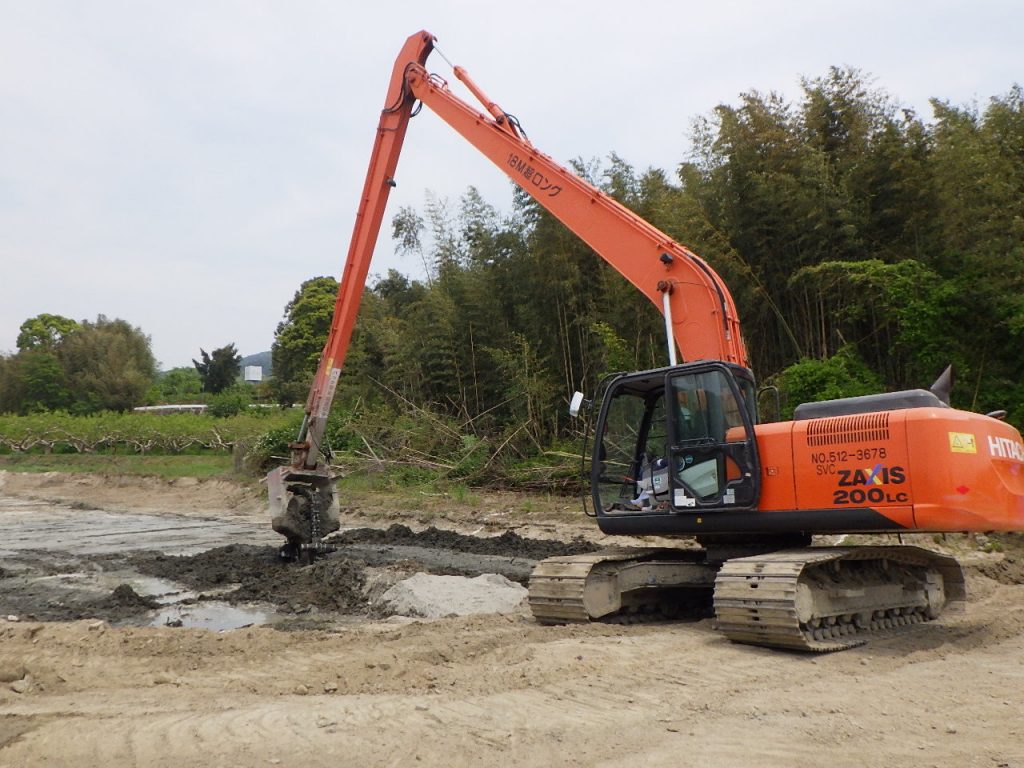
903,315
45,332
42,381
842,375
108,365
230,401
978,165
32,381
300,337
219,369
10,397
176,386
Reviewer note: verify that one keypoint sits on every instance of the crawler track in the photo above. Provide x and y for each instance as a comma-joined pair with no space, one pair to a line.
830,599
615,583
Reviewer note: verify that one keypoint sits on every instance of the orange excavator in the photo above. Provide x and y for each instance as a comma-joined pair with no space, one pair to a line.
678,451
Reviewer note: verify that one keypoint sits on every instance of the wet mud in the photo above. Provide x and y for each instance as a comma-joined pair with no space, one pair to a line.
508,544
244,574
53,586
149,587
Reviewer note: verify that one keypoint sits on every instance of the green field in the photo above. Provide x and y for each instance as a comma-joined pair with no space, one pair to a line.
211,465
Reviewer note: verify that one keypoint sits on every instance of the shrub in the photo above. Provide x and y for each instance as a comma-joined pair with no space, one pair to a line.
842,375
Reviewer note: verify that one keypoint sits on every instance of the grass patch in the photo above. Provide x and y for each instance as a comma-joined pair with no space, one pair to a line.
167,467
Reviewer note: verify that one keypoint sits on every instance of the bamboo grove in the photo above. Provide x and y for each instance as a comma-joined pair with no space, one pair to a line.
867,248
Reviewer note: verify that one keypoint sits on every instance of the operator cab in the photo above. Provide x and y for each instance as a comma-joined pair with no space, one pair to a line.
677,440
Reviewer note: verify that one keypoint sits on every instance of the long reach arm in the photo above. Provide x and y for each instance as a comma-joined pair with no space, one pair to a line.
700,315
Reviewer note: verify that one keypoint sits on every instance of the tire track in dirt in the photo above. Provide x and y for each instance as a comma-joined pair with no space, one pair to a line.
491,691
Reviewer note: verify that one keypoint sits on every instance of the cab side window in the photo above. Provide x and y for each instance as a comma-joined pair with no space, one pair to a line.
709,432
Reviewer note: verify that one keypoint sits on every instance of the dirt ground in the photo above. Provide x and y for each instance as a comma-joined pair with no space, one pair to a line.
320,671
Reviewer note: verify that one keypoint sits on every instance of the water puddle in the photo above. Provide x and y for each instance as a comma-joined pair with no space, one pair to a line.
104,582
213,615
173,603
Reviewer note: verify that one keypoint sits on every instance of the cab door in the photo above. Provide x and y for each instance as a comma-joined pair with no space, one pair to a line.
712,449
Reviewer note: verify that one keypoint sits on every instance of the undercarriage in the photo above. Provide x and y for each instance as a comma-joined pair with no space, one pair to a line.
806,598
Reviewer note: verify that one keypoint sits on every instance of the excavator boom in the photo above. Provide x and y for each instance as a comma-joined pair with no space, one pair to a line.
705,324
704,321
394,120
700,315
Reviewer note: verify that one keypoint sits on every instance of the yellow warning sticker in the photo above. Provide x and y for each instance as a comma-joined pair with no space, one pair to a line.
962,442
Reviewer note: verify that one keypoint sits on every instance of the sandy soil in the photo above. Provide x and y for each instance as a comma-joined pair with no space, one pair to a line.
492,689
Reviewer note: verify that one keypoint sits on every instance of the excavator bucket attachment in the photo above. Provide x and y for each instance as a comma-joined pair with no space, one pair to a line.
303,507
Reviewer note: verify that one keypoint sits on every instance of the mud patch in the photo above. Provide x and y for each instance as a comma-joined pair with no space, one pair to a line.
124,602
508,544
53,586
337,582
246,574
247,583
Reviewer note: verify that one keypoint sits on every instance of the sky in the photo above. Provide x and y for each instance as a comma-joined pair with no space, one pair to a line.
186,165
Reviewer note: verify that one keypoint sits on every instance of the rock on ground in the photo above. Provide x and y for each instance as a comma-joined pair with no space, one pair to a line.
434,597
